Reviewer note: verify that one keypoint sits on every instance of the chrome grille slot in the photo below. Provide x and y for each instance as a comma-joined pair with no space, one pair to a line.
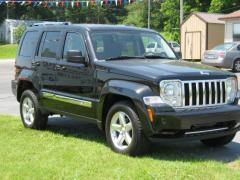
204,93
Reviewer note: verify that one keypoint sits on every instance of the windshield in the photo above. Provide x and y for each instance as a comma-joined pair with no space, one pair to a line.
224,47
113,44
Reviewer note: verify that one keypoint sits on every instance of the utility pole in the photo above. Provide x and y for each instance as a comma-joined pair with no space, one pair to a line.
181,11
149,13
7,11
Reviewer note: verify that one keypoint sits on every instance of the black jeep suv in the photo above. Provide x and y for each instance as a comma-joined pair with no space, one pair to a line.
112,76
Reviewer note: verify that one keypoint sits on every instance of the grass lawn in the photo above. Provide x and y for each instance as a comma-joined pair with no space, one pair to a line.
8,51
64,153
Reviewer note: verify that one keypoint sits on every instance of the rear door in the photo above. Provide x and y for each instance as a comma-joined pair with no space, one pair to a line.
46,61
75,86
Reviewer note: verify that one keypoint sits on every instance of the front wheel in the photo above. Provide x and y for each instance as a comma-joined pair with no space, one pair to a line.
30,112
236,66
124,132
220,141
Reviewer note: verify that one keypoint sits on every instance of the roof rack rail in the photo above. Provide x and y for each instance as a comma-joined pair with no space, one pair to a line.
51,23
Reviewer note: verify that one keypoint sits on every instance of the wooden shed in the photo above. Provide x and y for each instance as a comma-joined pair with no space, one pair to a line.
200,32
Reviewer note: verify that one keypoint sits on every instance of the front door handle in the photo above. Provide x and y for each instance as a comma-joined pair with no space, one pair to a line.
60,67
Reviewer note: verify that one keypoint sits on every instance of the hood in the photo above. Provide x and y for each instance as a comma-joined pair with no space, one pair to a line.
163,69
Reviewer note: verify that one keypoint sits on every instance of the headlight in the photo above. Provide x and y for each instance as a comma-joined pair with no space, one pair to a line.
231,89
171,92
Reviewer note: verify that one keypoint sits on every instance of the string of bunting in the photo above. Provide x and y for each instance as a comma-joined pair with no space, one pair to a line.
68,3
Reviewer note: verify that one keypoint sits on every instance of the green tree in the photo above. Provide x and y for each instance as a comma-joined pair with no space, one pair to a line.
224,6
18,32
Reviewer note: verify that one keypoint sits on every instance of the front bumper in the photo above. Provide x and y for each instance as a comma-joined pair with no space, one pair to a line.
196,123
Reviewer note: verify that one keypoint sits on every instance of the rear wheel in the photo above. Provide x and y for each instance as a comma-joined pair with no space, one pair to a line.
220,141
124,132
236,66
30,112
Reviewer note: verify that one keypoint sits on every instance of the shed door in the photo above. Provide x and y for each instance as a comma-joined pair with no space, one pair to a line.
193,45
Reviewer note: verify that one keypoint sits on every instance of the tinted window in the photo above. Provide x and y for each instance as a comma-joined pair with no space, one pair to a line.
73,41
225,46
51,44
29,43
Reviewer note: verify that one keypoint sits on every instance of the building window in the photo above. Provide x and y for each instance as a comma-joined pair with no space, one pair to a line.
236,32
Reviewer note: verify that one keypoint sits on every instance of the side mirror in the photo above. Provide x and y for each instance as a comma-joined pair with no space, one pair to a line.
75,56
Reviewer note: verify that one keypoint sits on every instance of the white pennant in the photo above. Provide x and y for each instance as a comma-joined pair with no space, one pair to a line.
87,3
116,2
72,3
23,3
101,3
56,3
129,1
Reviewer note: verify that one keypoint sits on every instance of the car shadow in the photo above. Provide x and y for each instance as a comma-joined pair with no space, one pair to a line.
165,151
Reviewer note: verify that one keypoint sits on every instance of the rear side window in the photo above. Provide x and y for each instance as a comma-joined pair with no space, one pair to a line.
50,45
224,47
29,44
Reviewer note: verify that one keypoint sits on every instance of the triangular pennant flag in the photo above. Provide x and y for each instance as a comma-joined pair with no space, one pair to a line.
72,4
77,4
87,3
101,3
23,2
56,3
116,2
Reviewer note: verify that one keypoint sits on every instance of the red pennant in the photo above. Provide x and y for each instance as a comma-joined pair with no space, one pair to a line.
61,4
77,4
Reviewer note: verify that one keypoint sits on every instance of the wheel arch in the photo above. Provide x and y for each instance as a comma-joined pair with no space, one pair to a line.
22,86
117,90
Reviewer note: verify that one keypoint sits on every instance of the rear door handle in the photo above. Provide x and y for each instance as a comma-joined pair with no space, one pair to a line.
35,64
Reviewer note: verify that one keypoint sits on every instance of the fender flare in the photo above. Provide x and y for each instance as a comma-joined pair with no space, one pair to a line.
132,90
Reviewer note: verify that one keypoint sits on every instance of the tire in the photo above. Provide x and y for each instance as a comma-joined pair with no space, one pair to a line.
218,142
236,65
30,111
118,133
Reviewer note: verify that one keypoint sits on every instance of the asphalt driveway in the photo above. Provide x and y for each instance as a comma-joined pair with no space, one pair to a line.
9,105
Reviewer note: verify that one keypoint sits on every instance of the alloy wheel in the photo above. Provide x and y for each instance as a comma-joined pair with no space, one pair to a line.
121,130
28,111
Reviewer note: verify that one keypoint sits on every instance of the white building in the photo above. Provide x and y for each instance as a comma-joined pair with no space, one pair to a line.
232,26
9,25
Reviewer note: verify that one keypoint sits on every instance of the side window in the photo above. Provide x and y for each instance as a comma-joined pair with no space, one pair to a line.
50,45
74,41
29,43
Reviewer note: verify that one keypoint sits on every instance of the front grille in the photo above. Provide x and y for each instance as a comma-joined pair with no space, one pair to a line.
204,93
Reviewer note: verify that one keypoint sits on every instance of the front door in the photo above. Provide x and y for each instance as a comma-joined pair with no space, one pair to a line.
75,80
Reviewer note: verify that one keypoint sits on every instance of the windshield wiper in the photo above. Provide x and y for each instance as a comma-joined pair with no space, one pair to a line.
157,57
125,58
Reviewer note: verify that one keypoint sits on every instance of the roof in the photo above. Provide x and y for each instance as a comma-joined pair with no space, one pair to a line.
91,27
208,17
233,15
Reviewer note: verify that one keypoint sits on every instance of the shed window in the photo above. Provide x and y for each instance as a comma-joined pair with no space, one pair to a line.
236,32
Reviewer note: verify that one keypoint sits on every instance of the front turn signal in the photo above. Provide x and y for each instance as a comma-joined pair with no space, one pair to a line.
150,114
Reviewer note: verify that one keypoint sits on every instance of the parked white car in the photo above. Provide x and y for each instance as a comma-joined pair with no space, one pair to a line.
175,46
154,47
